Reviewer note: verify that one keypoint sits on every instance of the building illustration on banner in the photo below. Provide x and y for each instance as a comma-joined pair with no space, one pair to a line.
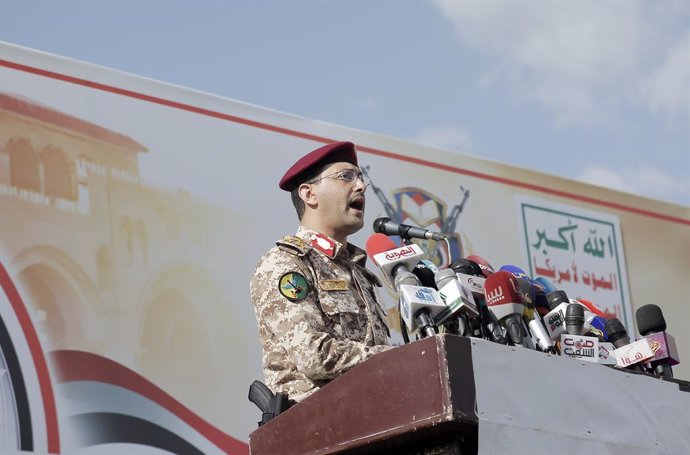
112,265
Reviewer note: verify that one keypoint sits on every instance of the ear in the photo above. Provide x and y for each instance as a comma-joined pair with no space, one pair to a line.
308,195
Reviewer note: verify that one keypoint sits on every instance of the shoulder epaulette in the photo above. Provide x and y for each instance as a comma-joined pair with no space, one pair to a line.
293,245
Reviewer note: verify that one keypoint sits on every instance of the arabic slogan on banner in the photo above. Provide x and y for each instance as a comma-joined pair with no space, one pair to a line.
580,251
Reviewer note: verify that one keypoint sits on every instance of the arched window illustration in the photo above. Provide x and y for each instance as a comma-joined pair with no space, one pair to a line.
58,174
25,167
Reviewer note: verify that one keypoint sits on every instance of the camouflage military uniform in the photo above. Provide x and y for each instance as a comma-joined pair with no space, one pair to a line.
317,312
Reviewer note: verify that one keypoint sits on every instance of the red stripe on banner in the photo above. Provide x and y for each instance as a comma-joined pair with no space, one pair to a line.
161,101
86,366
528,186
373,151
45,384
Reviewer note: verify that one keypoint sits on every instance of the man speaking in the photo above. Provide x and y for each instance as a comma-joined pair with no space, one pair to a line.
315,302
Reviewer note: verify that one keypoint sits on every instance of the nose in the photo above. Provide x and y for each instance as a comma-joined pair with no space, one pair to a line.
360,184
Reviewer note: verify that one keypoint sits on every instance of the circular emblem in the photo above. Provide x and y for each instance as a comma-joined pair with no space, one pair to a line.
293,286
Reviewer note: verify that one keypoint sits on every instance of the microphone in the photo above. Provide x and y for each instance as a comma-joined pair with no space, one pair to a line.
504,301
528,295
525,287
393,260
466,266
472,275
541,338
592,307
524,283
541,304
575,319
395,264
516,271
535,324
555,319
389,227
617,333
546,284
419,305
484,266
457,297
650,319
652,325
606,354
528,292
620,339
426,271
596,325
580,347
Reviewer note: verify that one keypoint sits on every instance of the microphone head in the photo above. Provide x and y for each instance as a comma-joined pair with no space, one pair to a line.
516,271
378,243
418,301
527,291
593,308
546,284
457,297
502,295
467,267
597,325
425,273
617,333
555,298
392,259
650,319
406,277
444,276
484,266
379,224
540,302
574,319
527,288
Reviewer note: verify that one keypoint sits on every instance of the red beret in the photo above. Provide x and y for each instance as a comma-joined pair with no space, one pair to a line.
330,153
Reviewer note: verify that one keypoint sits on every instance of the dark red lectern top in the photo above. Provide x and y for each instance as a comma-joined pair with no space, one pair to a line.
418,395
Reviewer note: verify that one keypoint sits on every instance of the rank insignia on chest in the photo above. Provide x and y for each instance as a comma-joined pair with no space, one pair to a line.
293,286
323,244
334,285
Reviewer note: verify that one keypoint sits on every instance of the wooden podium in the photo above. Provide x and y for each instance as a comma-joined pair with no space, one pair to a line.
416,399
449,395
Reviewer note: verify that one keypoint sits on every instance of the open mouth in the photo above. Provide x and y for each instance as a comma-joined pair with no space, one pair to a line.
357,204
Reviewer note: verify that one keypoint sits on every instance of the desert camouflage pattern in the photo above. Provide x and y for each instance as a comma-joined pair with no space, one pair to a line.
309,342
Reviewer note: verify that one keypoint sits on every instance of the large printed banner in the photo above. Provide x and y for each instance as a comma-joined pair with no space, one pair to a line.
132,214
580,251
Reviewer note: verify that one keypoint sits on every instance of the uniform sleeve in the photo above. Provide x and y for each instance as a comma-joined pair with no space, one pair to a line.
300,326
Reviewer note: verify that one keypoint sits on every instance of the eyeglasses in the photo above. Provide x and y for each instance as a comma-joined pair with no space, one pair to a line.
347,175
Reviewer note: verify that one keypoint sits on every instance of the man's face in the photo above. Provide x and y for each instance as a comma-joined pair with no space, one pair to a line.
340,203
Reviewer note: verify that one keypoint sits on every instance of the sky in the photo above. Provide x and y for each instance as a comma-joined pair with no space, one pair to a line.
591,90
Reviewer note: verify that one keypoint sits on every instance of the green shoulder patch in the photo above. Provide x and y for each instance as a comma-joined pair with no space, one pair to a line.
293,286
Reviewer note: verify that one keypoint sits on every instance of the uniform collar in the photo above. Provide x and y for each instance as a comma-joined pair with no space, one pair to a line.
320,242
330,247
